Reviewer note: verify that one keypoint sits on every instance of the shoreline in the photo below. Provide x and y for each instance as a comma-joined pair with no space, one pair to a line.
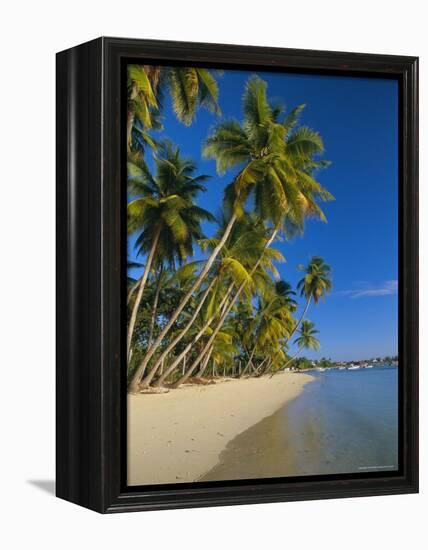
178,437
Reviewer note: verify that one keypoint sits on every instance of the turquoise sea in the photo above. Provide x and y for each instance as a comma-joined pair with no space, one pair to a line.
344,421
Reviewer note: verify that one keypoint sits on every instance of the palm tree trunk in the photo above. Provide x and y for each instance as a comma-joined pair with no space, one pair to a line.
145,383
265,368
226,313
256,371
155,306
149,354
130,124
296,326
287,363
250,360
132,290
205,363
132,320
189,346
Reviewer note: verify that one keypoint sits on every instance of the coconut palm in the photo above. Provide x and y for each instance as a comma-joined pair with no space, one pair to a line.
189,88
276,160
221,353
240,252
165,215
246,240
264,259
273,321
314,285
275,163
306,340
278,166
142,102
284,291
200,323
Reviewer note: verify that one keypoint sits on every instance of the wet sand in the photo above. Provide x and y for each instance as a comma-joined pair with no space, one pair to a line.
180,436
264,450
343,422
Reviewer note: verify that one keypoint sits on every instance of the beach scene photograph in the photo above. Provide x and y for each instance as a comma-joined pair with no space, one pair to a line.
262,275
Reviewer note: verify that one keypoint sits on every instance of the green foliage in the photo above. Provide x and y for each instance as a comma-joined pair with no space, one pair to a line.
307,338
165,202
274,159
317,280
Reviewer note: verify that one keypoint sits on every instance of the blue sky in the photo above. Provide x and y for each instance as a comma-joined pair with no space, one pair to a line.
357,118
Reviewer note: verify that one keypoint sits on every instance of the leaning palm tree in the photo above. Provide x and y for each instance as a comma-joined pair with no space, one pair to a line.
275,158
314,285
306,340
229,270
265,258
164,215
276,161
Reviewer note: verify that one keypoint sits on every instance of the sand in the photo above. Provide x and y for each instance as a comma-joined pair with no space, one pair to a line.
177,437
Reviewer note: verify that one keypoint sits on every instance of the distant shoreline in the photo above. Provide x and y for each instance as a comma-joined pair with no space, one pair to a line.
178,436
347,368
324,431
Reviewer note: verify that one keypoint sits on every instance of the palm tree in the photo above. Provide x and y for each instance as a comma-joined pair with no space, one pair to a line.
161,279
165,215
276,163
240,252
142,101
200,323
278,168
275,159
132,283
245,238
262,259
314,285
189,88
306,340
273,320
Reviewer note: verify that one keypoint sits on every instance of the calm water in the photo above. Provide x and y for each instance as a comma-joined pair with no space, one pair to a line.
343,422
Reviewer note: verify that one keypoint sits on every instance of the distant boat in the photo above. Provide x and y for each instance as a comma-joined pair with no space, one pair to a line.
342,368
320,369
353,367
369,367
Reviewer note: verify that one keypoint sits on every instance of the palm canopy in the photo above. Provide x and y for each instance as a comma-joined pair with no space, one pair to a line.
316,282
307,338
165,202
274,322
189,88
275,158
245,245
284,291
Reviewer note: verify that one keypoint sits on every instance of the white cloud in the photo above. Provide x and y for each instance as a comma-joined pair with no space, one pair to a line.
387,288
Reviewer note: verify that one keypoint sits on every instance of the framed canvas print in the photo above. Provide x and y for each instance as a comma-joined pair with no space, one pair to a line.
237,278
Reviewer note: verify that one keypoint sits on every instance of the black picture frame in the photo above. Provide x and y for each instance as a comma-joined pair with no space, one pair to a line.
90,420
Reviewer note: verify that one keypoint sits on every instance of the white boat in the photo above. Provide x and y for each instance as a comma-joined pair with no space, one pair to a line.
369,367
342,368
354,367
320,369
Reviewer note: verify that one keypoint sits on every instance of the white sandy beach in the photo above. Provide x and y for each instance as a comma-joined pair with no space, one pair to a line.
178,436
